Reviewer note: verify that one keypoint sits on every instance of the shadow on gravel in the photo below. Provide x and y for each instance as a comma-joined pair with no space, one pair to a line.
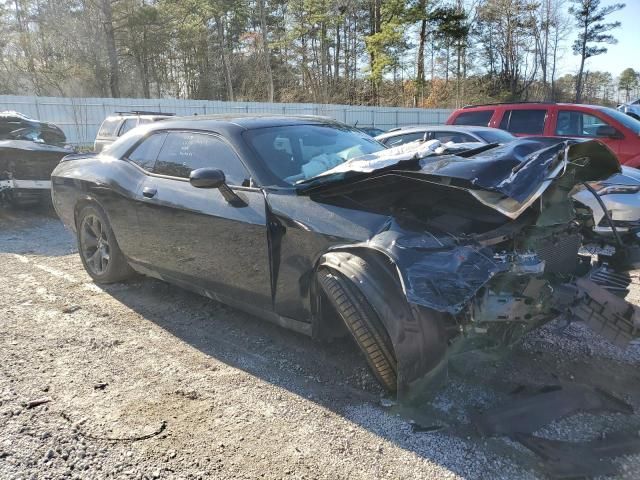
333,375
34,230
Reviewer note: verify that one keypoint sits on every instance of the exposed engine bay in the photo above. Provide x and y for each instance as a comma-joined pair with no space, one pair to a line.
491,242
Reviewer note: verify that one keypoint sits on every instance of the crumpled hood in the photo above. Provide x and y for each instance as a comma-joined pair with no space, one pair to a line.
507,178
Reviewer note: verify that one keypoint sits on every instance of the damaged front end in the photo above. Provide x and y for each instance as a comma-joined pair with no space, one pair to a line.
25,169
486,246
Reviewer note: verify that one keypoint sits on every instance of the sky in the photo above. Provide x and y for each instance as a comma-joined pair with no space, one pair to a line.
623,55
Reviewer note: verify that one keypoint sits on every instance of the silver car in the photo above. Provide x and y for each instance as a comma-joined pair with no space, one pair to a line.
631,108
116,125
621,196
446,134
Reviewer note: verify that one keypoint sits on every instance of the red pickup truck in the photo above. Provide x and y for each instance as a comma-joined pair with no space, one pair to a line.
620,132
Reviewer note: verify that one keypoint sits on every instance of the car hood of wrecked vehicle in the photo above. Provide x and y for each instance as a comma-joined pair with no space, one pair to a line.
507,178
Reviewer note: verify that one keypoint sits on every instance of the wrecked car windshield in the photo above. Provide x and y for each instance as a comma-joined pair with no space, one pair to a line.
300,152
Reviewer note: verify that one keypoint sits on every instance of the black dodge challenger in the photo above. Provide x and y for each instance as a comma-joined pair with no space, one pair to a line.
315,226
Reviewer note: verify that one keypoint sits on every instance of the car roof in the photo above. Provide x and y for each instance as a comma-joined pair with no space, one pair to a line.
235,121
525,105
434,128
117,116
13,113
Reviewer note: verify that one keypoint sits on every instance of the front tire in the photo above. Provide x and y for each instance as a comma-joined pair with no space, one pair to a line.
99,251
364,324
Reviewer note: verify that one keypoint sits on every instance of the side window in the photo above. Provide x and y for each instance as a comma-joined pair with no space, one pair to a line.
146,153
578,124
183,152
10,123
402,139
6,126
455,137
108,127
480,118
127,125
524,121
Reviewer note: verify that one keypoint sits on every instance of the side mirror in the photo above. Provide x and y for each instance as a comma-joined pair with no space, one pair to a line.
608,131
214,178
207,178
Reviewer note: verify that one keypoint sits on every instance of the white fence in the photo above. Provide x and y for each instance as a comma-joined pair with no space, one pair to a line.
80,118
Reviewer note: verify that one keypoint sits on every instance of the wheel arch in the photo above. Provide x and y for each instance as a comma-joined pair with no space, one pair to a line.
347,261
85,201
418,334
79,205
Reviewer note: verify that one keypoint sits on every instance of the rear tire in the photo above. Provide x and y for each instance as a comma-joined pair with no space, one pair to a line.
99,251
364,324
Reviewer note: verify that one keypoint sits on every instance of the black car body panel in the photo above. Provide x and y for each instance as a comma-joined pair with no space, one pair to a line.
433,245
25,160
29,151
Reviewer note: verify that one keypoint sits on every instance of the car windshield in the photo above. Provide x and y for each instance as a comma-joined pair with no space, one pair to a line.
628,121
299,152
495,136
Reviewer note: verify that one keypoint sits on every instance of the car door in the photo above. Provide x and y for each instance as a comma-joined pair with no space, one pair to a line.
575,123
194,235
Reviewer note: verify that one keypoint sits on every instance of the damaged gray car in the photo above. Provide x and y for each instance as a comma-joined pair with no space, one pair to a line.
313,225
29,151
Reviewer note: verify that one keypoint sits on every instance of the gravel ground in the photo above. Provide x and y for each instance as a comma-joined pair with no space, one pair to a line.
144,380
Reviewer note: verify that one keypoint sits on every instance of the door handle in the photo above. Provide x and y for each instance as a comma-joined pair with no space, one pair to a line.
149,192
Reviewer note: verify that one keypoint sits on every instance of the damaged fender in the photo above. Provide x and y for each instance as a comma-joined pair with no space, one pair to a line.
418,335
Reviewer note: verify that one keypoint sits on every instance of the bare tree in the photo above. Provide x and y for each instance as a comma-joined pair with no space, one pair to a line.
266,51
107,24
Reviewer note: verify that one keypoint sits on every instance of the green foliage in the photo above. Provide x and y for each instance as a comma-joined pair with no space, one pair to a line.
589,18
386,45
629,80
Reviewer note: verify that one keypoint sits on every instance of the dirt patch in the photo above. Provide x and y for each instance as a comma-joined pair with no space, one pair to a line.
148,381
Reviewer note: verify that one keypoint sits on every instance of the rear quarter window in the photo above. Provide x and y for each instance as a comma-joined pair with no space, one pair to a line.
495,136
145,154
455,137
480,118
109,127
398,140
127,125
524,121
